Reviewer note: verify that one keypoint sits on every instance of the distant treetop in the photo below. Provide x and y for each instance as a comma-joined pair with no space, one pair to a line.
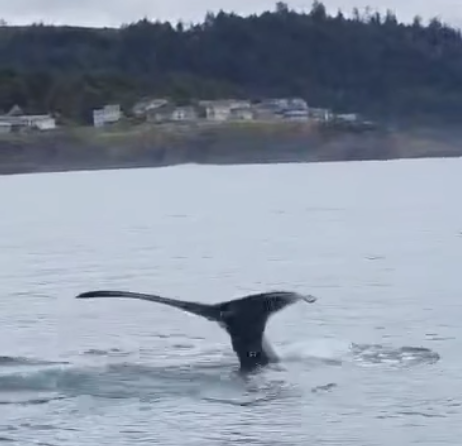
368,63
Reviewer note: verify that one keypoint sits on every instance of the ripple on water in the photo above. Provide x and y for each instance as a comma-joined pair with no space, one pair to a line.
374,354
191,376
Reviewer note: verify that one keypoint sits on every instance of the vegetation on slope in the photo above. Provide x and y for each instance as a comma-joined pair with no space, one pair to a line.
368,63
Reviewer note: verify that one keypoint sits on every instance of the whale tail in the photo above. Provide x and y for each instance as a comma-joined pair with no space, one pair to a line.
244,318
197,308
245,321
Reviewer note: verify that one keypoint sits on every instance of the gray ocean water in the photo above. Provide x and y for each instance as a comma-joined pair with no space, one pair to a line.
375,361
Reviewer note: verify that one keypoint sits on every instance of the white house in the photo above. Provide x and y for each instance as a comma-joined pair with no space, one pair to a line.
186,113
169,112
242,114
266,111
220,110
348,117
145,106
320,114
106,115
5,127
39,122
286,103
297,103
295,115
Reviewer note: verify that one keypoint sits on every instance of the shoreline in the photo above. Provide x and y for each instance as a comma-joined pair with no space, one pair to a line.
144,146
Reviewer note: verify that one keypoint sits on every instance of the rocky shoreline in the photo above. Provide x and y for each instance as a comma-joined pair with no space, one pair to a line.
138,146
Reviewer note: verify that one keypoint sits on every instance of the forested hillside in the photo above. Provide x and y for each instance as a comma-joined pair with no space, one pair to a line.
369,63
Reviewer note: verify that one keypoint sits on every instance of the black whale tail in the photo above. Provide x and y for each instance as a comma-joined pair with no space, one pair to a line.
244,319
209,312
256,307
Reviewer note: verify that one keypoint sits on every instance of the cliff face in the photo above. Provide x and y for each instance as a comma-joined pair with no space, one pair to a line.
89,149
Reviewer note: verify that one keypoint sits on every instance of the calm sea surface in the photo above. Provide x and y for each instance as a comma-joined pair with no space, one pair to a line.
376,361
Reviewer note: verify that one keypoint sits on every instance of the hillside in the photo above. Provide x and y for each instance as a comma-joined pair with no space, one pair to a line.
369,64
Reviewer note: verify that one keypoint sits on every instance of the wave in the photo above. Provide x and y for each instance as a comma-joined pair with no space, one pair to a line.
120,380
14,361
37,381
335,353
406,356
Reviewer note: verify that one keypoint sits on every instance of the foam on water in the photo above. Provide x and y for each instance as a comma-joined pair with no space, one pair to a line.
336,352
194,374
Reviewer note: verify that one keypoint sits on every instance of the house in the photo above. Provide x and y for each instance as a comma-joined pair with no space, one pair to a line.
295,115
281,108
265,111
16,110
297,103
162,113
282,104
143,107
242,114
348,117
99,118
320,114
107,115
185,113
37,122
220,110
169,112
5,127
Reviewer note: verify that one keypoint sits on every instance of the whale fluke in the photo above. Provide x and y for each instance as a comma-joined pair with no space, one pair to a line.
244,318
196,308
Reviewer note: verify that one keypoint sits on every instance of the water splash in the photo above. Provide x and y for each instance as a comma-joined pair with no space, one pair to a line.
336,352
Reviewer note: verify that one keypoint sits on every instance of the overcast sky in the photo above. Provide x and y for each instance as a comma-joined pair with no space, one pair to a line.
116,12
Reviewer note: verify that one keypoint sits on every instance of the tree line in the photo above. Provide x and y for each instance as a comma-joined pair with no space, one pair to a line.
368,63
